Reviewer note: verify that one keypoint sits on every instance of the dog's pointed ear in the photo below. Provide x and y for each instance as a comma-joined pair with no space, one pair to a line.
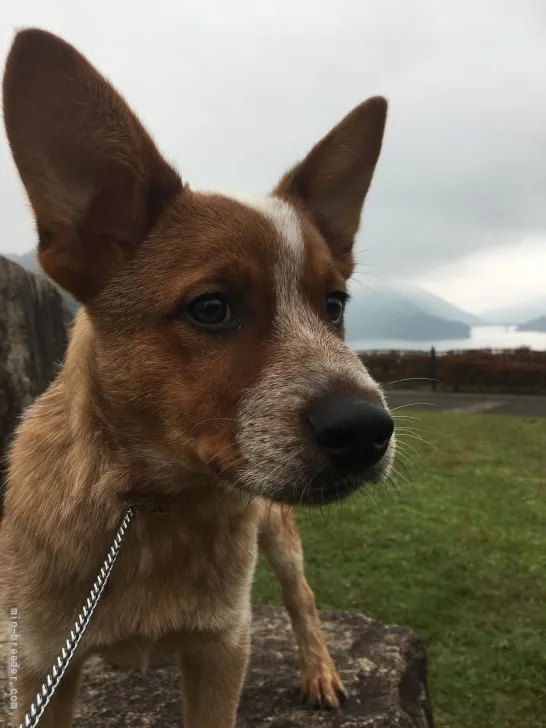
332,181
95,179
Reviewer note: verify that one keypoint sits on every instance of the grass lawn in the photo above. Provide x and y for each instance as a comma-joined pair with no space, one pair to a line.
457,552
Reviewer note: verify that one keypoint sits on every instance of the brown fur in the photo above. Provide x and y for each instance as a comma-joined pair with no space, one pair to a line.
144,410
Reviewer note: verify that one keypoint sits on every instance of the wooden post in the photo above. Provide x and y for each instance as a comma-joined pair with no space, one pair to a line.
433,368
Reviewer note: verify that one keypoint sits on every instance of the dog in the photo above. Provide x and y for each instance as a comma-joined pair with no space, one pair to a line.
206,384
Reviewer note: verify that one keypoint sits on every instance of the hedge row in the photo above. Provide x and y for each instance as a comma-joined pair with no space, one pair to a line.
517,370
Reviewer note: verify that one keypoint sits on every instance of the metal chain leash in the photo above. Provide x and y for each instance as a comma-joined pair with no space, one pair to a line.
32,718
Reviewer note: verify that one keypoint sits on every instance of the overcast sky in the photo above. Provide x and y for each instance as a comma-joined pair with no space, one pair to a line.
236,91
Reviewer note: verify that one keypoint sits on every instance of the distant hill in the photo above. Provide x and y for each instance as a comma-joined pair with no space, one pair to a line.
413,326
435,305
30,262
517,313
27,260
538,324
404,311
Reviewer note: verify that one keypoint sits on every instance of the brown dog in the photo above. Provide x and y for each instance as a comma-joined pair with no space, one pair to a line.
206,382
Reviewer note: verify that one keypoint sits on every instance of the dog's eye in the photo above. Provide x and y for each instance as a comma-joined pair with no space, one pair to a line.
335,306
210,311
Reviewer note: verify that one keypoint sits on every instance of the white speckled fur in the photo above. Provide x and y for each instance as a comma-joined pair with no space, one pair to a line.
308,360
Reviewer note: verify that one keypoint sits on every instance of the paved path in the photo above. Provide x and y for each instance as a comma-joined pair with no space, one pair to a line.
497,404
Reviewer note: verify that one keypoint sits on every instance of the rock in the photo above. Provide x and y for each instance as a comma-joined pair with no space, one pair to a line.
34,324
383,667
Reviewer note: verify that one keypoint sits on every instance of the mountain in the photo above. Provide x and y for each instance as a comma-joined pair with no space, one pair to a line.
517,313
404,311
436,306
538,324
29,261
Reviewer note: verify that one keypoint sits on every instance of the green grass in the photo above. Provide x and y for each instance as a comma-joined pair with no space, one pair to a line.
458,553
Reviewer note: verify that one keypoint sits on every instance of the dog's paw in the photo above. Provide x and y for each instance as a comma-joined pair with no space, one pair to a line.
321,687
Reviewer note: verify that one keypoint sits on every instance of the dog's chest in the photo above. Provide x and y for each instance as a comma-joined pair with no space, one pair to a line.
183,573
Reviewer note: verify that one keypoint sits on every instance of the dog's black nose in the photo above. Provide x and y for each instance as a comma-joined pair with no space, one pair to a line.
352,433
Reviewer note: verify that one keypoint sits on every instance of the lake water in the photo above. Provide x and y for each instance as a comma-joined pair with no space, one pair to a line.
481,337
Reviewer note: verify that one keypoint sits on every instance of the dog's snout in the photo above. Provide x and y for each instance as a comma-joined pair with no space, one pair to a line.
350,432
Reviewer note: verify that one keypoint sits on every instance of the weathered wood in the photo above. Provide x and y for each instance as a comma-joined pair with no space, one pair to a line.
34,324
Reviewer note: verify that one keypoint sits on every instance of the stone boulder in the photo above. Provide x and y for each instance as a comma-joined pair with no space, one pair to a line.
383,667
34,323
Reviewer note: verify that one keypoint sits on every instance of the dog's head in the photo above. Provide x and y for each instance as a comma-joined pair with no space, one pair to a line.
218,323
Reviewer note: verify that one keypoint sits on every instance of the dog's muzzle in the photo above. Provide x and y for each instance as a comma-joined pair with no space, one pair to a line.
349,438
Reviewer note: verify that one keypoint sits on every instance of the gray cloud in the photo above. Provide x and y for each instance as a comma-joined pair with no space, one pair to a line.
236,92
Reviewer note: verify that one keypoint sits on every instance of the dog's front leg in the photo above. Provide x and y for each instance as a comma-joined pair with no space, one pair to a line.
280,542
59,712
213,668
